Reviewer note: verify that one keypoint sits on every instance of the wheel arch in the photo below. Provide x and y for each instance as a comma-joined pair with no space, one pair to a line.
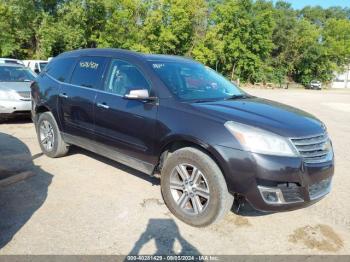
37,110
177,142
42,108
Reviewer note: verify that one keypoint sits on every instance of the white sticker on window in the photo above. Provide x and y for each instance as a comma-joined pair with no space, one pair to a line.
91,65
158,66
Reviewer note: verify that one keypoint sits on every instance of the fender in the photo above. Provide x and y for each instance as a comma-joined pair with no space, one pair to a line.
44,99
190,140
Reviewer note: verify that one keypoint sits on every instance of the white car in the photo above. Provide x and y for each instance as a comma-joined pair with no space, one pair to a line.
315,84
10,61
15,97
36,65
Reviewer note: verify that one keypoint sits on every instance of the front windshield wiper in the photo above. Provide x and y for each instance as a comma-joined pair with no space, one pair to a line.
240,96
204,100
233,97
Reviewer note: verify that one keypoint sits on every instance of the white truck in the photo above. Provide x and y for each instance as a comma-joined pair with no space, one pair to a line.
36,65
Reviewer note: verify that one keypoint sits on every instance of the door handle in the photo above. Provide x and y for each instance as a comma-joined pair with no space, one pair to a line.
63,95
102,105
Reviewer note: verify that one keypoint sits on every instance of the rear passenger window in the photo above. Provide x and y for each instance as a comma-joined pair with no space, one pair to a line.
60,68
88,72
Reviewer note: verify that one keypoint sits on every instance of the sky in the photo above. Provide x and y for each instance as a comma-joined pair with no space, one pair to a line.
298,4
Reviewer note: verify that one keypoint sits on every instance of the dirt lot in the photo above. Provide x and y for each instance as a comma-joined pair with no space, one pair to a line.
86,204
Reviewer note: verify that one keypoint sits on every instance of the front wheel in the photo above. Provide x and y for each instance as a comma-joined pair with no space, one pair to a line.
49,136
194,188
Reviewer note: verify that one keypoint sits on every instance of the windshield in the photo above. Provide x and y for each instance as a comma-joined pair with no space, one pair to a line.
194,81
42,66
16,74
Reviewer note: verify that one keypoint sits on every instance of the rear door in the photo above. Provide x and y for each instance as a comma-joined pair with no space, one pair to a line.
77,98
126,127
56,73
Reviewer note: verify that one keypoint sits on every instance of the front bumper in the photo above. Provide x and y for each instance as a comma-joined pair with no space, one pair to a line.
15,106
316,87
292,183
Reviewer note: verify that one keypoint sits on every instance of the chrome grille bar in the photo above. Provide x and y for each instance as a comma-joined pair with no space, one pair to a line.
309,141
313,149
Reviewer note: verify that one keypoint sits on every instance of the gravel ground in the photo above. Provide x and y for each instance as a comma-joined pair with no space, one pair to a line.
86,204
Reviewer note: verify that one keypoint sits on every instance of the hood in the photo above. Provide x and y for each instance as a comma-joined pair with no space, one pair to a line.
275,117
15,86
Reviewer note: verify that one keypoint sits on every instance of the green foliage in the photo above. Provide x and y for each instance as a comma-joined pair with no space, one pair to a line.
250,40
8,44
122,28
17,38
312,63
336,35
240,39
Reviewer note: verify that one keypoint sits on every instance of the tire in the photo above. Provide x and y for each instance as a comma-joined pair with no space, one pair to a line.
58,147
208,187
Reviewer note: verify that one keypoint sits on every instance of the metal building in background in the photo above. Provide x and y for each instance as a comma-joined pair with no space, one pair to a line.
342,80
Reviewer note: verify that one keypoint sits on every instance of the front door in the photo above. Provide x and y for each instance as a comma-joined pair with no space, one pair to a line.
126,127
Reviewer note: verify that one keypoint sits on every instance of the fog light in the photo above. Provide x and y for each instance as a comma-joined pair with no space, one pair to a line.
271,195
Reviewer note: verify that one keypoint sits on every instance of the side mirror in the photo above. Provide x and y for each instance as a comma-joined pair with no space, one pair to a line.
37,71
139,94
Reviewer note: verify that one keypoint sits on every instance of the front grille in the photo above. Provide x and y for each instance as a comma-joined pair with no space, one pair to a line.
313,149
24,94
319,189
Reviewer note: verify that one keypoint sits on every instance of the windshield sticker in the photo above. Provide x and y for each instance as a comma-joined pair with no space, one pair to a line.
91,65
158,66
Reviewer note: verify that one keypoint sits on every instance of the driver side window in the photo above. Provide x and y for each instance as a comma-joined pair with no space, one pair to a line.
123,77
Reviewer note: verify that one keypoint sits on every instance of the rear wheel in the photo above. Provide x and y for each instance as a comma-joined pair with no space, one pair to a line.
49,136
194,188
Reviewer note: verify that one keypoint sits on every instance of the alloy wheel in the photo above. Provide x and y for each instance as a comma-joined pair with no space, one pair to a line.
47,137
189,189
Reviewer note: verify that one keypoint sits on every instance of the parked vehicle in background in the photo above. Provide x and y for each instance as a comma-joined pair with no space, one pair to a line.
207,139
315,84
10,61
15,81
36,65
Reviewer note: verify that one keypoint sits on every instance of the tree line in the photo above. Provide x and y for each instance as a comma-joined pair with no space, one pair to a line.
253,41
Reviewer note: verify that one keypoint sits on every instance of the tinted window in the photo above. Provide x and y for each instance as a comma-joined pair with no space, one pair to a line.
194,81
88,72
123,77
60,68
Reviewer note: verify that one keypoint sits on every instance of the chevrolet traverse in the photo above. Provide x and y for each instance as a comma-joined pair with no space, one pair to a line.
209,141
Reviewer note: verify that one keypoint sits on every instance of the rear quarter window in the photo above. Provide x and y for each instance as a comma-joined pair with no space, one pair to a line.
60,68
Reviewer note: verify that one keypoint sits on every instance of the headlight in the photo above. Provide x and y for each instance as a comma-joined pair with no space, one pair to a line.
260,141
8,95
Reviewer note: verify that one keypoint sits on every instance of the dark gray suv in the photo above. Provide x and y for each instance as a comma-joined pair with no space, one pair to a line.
208,140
